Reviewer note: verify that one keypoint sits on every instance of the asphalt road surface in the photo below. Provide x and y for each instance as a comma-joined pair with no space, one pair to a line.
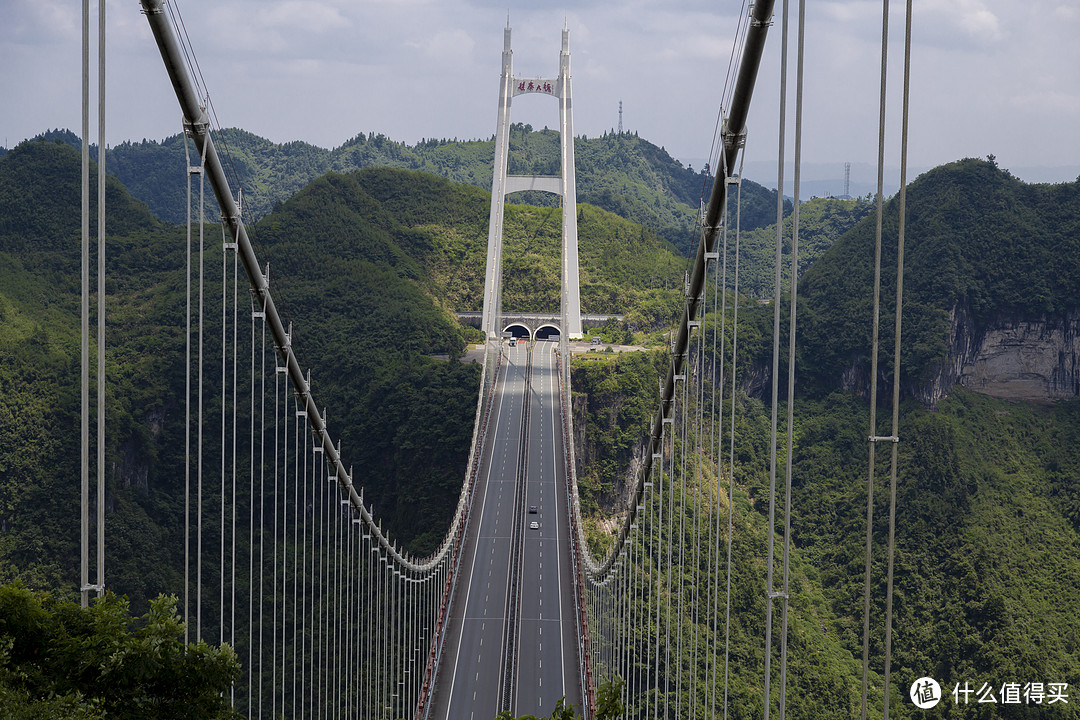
470,676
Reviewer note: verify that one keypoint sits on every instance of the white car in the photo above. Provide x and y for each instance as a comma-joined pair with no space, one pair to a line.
534,525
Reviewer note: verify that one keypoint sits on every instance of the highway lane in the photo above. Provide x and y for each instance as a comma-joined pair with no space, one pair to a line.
470,676
547,643
470,679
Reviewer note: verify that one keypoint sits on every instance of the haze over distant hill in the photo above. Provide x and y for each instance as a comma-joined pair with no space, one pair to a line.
623,174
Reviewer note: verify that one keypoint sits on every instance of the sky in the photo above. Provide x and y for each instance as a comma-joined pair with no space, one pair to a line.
988,77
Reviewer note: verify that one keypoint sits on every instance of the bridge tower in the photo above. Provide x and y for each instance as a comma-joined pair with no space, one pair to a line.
503,184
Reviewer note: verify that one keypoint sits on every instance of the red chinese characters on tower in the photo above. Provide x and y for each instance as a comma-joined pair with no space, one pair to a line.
543,86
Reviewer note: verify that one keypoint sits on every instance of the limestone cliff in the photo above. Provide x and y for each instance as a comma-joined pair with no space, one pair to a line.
1014,358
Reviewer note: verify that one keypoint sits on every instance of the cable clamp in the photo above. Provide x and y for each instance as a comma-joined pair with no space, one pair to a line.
777,594
884,438
97,588
754,22
199,127
712,256
731,139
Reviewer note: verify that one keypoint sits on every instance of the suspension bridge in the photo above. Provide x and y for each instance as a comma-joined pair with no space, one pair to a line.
514,611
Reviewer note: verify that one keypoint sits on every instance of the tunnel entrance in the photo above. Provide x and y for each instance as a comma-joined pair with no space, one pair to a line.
518,331
547,332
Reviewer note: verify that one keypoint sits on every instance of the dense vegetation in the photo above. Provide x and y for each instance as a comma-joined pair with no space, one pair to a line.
615,396
443,226
988,507
59,661
821,222
375,263
621,173
978,241
987,568
39,379
988,517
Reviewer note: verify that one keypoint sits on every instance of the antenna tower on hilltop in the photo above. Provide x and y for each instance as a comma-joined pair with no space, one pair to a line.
847,180
620,117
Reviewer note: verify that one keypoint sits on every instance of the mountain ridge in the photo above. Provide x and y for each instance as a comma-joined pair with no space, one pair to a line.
623,174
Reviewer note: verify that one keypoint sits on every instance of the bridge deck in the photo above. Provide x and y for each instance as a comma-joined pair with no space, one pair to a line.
469,682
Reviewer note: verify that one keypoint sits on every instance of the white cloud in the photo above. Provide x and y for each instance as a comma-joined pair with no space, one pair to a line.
451,46
306,15
48,21
983,71
962,21
1067,13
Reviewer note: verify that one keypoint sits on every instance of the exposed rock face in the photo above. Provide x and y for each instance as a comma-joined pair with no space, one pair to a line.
1013,358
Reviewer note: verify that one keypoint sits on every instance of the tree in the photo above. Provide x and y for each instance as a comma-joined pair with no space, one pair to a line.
59,660
608,704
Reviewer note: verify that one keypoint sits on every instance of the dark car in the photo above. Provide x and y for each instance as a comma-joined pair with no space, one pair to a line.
532,509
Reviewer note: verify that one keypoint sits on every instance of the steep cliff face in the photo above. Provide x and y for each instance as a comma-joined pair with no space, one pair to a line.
1031,359
613,400
991,281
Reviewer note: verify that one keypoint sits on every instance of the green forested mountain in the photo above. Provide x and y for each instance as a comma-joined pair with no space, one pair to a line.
623,174
39,376
368,265
822,221
988,512
978,242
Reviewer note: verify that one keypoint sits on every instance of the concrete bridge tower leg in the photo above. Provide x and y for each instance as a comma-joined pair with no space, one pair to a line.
571,290
493,273
564,186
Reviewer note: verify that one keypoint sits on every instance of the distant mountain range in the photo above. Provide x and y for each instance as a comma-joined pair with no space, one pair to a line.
621,173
